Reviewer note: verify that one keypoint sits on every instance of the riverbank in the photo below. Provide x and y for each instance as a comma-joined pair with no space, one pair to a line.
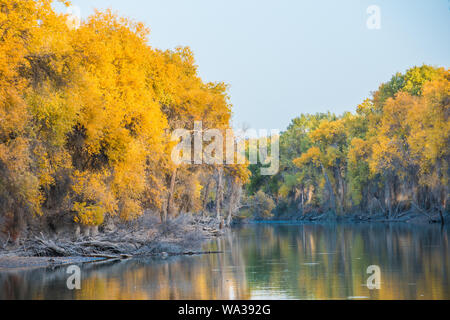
300,261
148,238
181,236
412,216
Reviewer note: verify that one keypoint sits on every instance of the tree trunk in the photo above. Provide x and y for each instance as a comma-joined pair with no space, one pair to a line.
233,200
341,192
415,195
302,203
206,197
442,217
219,192
387,196
169,208
330,189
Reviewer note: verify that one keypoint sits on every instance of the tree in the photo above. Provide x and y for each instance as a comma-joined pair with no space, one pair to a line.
390,156
86,116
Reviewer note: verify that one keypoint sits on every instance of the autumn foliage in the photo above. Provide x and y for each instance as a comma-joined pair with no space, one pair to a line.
86,115
391,156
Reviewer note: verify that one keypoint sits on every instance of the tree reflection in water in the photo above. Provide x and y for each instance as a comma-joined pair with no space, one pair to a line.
267,262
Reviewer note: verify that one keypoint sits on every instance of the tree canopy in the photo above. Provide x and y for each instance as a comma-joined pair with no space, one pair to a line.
86,115
390,156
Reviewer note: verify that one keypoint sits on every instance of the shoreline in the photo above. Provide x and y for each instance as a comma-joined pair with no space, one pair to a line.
183,236
166,245
410,217
14,263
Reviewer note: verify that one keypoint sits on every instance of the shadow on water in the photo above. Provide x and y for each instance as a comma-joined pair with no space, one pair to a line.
268,261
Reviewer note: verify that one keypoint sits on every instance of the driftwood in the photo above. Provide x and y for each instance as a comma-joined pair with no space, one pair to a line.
177,237
421,211
6,241
97,249
189,253
105,256
42,246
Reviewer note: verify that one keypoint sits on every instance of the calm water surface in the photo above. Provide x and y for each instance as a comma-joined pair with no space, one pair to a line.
268,261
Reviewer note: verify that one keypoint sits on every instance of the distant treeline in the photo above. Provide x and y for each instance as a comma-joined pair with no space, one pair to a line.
391,156
86,116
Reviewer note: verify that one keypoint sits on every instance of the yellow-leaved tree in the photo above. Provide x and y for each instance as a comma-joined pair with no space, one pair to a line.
86,116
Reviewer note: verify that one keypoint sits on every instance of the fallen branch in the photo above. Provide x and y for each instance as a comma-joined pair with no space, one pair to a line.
7,240
105,256
421,211
201,253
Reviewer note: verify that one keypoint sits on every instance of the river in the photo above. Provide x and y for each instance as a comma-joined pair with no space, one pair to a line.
268,261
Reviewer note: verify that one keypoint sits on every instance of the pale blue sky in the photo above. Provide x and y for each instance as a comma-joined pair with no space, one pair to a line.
287,57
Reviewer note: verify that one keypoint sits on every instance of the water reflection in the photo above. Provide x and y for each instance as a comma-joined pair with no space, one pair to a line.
268,262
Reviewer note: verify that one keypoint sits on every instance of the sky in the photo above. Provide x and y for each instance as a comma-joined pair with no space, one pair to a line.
283,58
